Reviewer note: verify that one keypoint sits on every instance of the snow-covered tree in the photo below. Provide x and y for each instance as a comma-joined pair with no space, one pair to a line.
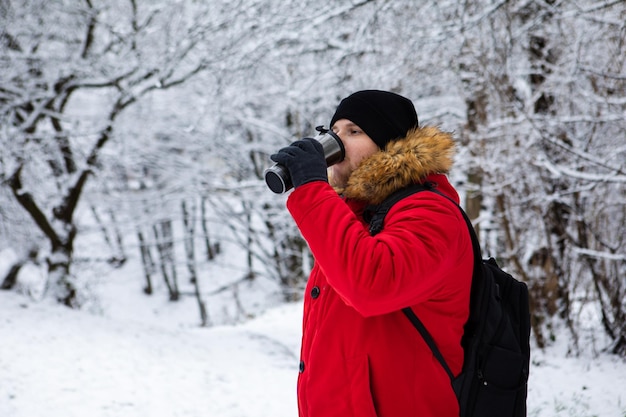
546,100
69,70
534,90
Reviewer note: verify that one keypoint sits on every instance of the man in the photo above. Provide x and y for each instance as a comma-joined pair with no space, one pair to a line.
360,355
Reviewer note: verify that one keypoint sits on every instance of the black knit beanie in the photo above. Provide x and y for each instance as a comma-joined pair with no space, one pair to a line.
383,115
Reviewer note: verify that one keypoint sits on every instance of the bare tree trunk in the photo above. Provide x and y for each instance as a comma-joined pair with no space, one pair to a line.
62,245
476,117
610,291
10,279
63,283
211,249
189,224
115,242
165,247
146,261
249,240
287,257
474,197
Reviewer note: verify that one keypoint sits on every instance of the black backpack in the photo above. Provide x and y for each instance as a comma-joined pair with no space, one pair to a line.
494,378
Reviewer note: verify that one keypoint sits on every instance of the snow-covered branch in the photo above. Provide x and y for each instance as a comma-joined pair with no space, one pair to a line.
600,254
559,170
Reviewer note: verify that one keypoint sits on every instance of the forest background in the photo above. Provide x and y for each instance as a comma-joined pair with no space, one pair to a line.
134,135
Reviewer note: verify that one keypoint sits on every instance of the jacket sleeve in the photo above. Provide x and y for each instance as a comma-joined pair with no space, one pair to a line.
421,246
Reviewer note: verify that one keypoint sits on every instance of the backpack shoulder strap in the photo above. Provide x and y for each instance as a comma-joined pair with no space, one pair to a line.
375,215
417,323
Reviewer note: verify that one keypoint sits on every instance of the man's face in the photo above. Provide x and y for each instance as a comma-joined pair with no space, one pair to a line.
358,146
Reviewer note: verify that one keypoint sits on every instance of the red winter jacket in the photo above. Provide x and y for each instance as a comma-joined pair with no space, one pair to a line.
360,355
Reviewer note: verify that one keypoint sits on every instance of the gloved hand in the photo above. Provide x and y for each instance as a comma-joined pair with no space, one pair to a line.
305,161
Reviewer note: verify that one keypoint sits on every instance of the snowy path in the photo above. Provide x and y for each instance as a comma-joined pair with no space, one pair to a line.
55,362
58,362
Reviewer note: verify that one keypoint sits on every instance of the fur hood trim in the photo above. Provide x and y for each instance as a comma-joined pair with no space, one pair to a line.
422,152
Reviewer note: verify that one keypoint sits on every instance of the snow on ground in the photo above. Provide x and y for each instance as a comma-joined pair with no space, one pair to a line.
576,387
58,362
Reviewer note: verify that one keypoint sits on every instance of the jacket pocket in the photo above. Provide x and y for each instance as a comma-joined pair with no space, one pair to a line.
358,373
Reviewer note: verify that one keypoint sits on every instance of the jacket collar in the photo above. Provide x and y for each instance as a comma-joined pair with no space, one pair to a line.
424,151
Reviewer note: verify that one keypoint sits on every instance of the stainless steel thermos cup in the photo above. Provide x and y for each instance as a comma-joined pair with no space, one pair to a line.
277,176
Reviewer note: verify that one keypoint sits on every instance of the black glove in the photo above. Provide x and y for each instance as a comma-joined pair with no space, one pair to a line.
305,161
